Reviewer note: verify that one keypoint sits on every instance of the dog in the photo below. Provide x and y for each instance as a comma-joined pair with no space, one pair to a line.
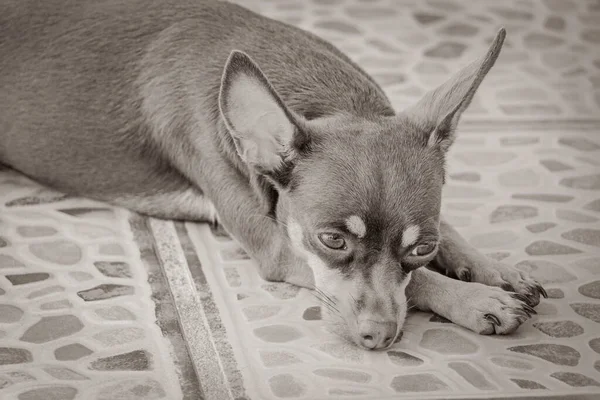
205,111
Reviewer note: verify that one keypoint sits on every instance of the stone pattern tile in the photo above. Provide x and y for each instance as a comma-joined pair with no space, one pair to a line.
77,320
506,201
549,68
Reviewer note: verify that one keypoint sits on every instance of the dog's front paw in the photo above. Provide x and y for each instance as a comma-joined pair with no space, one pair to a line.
490,310
494,273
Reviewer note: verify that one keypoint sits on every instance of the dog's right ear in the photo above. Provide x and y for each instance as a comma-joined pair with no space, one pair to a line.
264,130
439,111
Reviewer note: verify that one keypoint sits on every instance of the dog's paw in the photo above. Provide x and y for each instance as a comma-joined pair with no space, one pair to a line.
494,273
489,310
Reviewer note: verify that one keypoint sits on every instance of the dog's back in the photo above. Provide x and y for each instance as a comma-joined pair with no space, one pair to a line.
86,85
67,106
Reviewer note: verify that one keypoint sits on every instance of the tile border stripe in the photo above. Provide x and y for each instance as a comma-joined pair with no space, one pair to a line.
197,259
191,314
165,308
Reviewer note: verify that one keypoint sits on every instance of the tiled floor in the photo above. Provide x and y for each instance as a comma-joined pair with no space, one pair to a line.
80,295
549,67
90,295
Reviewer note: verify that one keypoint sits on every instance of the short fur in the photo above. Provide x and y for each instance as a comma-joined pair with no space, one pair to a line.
198,110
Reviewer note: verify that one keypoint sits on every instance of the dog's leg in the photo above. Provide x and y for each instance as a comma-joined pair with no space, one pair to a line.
187,204
190,204
244,217
480,308
458,258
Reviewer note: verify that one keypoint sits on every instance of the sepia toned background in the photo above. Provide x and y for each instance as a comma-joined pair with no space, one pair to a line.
98,303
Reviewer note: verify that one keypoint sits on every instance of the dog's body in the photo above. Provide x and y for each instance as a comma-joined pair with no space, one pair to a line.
145,104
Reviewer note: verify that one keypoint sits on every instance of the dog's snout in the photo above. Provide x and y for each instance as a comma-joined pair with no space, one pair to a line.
375,335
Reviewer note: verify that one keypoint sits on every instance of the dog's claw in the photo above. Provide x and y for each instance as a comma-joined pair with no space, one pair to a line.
541,290
493,319
533,295
520,297
525,307
465,275
508,287
522,315
529,309
526,313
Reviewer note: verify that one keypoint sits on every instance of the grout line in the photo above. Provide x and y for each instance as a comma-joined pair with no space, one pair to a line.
189,309
468,125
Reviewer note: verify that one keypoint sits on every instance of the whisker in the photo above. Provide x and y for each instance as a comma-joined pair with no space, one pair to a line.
354,305
325,301
329,301
330,297
322,300
409,298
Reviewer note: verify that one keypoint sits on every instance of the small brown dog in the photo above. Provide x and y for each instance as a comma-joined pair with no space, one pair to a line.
203,110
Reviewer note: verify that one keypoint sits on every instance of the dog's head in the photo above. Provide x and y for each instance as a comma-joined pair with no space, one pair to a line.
359,198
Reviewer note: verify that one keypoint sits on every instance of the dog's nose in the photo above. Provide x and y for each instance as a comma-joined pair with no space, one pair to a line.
376,335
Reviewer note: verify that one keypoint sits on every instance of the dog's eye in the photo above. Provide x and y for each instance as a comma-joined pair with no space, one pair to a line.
333,241
423,249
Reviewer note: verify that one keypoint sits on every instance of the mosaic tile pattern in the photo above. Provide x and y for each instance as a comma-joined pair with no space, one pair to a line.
549,68
81,290
508,198
77,313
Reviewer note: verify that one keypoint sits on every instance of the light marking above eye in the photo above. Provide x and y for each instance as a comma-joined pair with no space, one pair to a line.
410,235
356,226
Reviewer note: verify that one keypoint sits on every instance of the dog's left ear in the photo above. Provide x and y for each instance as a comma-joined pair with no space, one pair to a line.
440,109
265,132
